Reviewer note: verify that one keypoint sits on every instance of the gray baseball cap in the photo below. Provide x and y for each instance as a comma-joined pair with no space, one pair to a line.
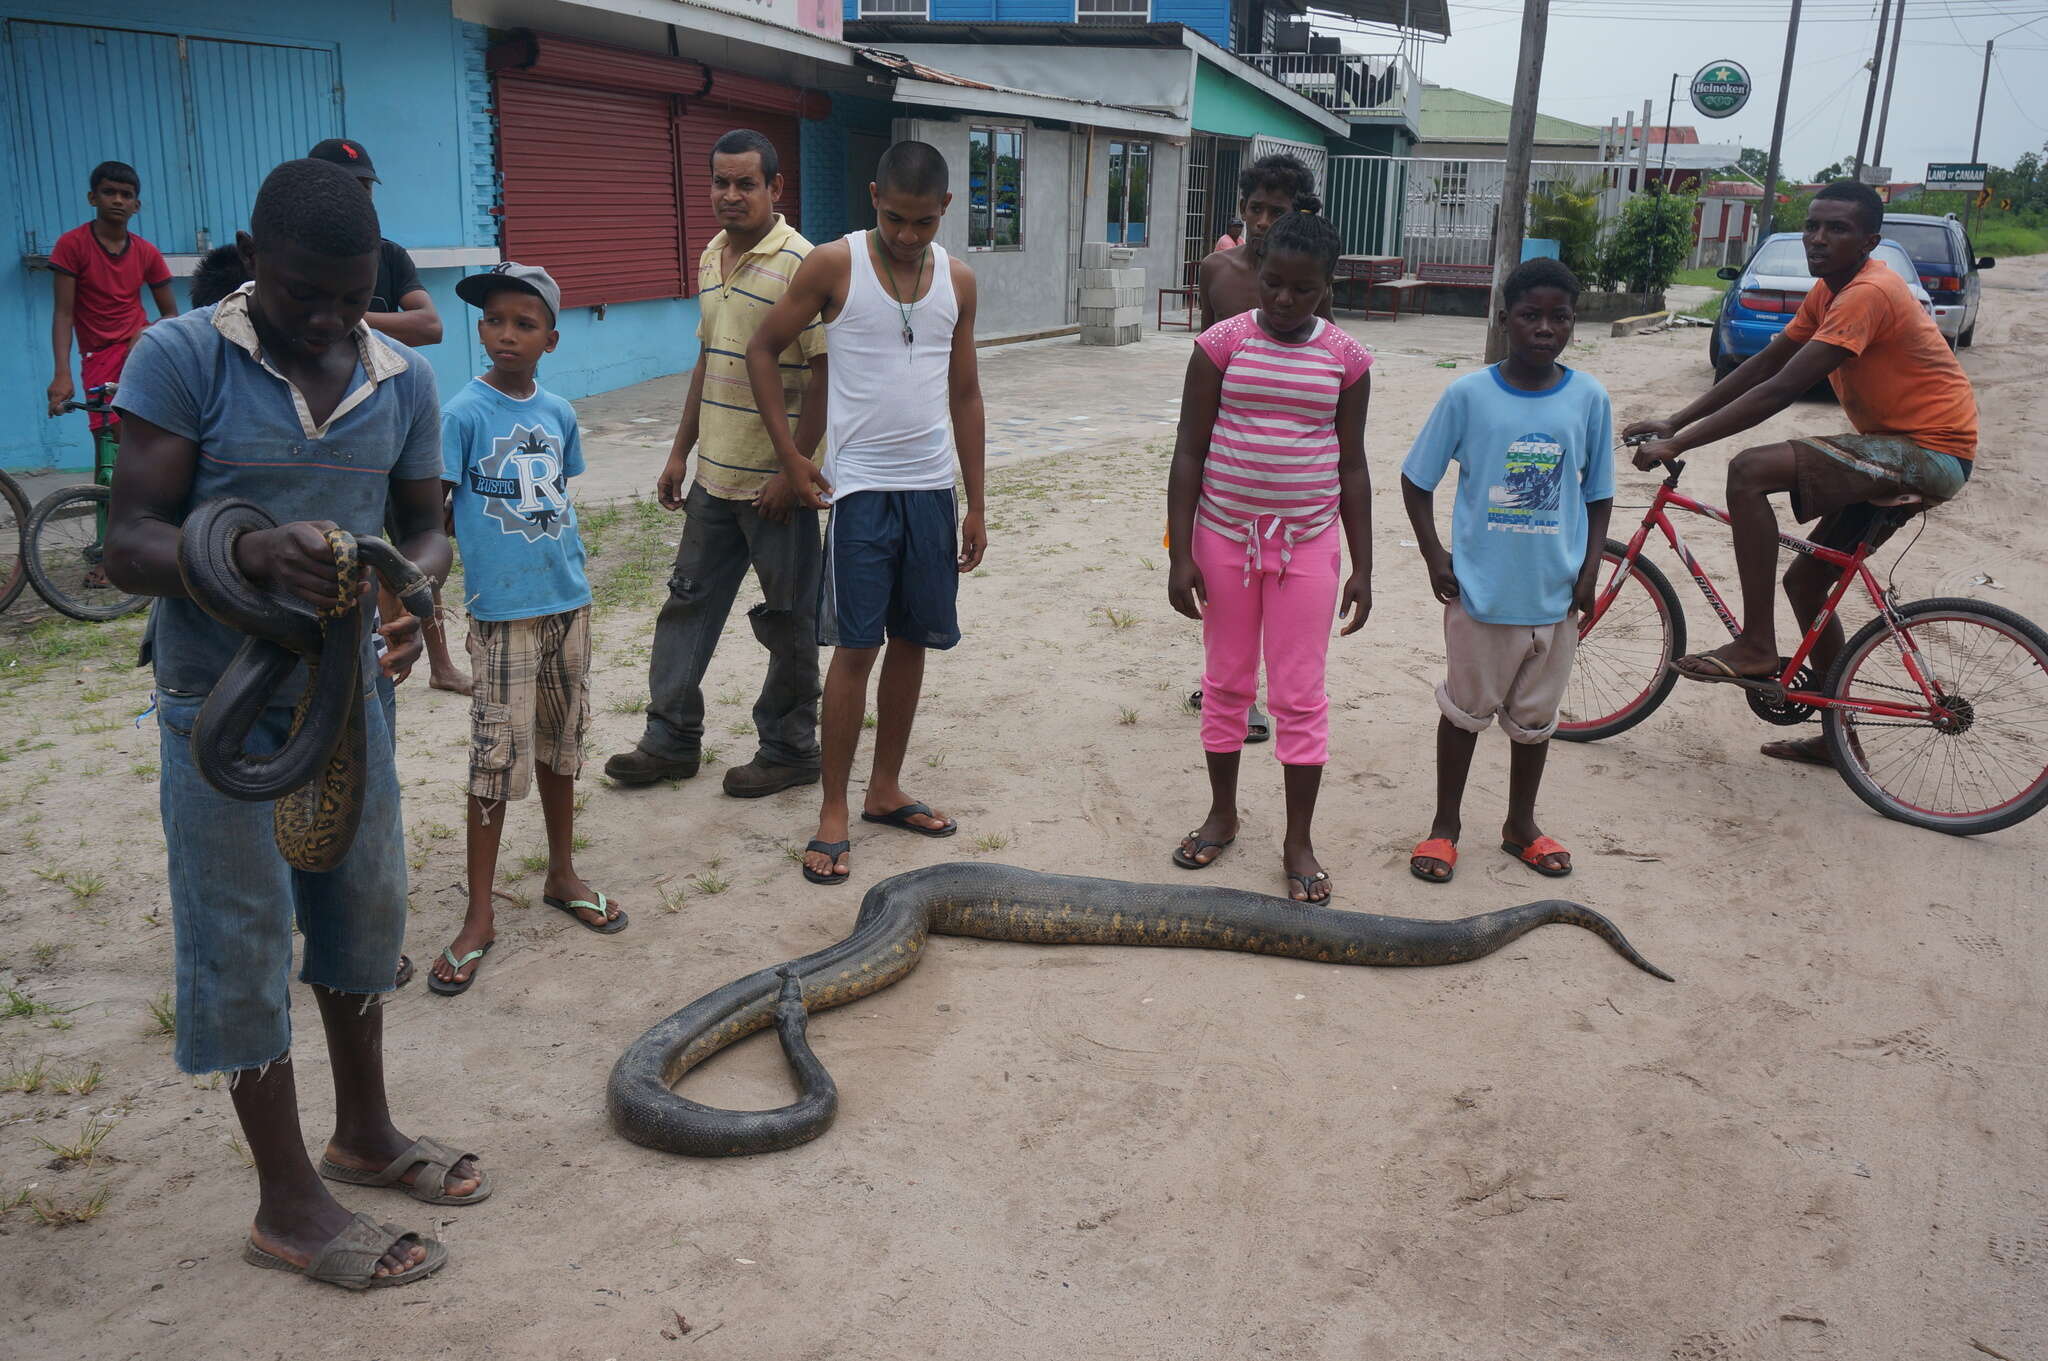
475,287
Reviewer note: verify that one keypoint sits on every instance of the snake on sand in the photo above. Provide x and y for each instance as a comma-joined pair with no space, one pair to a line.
999,902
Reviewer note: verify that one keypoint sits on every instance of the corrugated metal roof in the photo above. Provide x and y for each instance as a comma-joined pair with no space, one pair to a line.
902,67
1460,116
1422,16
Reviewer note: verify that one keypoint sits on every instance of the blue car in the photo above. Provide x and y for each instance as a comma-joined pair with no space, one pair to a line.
1769,290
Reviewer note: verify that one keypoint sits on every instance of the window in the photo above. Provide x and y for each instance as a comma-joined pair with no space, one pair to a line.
1112,11
895,9
1130,193
995,189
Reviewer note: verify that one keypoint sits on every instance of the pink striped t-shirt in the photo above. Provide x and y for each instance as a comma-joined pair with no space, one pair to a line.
1271,471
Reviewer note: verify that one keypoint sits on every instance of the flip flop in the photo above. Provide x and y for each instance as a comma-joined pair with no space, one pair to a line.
1723,674
1436,848
455,987
1308,892
1186,858
1800,751
1257,728
1533,853
350,1258
436,1162
835,849
901,817
569,905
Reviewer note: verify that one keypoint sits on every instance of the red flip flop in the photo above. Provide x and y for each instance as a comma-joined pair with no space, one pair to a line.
1533,853
1436,848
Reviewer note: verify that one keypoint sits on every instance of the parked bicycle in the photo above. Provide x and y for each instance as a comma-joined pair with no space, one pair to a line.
13,539
65,545
1936,712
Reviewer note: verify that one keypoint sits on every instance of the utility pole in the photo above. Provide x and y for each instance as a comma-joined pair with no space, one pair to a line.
1891,69
1763,226
1662,199
1977,137
1514,193
1884,14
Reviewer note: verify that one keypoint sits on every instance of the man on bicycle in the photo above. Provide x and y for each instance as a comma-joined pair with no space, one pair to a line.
1902,389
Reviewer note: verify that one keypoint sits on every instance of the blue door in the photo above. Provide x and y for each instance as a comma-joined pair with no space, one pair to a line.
202,121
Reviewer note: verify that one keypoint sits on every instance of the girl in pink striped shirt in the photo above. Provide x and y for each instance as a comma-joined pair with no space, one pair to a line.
1270,459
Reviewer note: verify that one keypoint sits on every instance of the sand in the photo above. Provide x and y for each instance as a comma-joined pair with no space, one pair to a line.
1823,1141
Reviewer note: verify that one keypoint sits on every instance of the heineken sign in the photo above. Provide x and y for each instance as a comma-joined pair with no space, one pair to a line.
1721,89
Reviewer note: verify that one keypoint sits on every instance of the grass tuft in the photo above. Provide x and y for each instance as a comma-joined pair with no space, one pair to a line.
86,1147
163,1016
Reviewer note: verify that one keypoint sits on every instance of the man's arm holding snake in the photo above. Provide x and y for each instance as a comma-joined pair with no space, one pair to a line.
416,517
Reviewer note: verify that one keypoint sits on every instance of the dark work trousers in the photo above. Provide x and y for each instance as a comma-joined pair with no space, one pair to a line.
721,539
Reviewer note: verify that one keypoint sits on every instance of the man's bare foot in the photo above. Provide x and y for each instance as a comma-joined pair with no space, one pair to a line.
454,682
299,1242
1737,660
463,1178
1812,751
466,940
574,888
831,829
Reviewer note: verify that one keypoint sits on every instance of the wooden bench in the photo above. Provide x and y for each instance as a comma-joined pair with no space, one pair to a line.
1452,276
1189,307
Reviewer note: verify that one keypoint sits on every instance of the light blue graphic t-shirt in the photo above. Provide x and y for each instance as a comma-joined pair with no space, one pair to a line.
511,461
1528,464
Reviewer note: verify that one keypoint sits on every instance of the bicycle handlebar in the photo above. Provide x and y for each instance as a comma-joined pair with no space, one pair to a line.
1676,465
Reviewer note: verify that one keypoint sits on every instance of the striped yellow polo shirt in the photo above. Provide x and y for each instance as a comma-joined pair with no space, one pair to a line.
734,456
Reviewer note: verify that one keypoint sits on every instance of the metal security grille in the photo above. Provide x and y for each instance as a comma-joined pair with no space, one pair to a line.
1196,238
1435,210
1314,157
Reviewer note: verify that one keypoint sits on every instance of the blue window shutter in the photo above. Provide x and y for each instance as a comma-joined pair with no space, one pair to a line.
253,105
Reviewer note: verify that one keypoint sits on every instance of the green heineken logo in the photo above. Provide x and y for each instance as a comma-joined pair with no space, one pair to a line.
1721,89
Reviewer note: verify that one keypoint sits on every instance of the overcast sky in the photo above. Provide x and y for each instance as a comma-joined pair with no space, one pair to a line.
1606,56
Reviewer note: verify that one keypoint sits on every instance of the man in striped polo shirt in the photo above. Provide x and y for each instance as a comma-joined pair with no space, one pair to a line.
740,511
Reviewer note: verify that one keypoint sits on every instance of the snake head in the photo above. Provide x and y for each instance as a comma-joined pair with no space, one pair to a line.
343,545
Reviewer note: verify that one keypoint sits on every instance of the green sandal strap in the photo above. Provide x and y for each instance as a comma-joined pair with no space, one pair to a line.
448,953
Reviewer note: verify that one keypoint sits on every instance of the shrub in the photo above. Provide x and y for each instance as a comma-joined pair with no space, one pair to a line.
1650,240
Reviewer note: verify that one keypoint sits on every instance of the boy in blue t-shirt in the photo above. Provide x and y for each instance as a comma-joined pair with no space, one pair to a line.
1533,441
508,449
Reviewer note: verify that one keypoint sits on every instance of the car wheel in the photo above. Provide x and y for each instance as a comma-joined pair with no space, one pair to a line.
1723,366
1967,338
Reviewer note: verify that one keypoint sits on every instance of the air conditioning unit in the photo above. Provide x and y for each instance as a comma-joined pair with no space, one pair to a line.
1323,46
1291,35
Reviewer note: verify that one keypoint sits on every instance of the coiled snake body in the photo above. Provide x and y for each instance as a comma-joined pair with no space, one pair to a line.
317,777
998,902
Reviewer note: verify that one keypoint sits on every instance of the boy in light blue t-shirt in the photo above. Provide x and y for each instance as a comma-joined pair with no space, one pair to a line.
509,448
1534,445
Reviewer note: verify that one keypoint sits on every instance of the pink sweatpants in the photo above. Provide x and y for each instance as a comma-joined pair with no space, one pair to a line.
1290,619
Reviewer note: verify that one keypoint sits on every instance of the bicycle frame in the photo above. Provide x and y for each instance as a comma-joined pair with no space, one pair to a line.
1854,569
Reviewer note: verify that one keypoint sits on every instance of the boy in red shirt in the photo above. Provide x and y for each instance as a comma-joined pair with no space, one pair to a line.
100,270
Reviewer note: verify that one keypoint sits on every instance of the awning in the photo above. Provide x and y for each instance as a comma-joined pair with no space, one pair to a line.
1421,16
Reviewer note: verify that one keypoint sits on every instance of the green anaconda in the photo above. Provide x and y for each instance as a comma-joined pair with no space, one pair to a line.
317,777
998,902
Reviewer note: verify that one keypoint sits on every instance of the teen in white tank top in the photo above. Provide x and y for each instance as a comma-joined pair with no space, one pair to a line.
888,421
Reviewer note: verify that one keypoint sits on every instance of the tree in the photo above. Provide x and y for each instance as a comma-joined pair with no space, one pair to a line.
1569,214
1838,171
1651,239
1753,162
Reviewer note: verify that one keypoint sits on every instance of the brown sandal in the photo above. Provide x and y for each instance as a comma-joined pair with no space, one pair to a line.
350,1258
436,1162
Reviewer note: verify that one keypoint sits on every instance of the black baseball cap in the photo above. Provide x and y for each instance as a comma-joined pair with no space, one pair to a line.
347,153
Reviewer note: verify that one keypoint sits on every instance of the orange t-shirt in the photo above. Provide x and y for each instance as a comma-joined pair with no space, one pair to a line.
1901,378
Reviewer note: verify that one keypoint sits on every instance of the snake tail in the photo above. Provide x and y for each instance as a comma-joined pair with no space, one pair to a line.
1000,902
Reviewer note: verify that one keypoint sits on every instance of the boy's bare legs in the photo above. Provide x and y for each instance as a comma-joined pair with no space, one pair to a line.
486,828
364,1136
1221,823
1297,851
895,710
1454,747
1525,777
558,810
442,672
845,702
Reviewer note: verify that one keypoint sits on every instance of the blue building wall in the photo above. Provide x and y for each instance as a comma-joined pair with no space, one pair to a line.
832,204
1210,18
416,94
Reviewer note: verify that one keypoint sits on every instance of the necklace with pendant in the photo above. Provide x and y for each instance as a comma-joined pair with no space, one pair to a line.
889,282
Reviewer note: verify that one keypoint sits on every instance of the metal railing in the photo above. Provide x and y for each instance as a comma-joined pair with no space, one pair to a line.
1358,86
1433,210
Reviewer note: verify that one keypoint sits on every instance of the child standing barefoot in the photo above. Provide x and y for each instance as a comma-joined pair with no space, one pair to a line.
1271,456
1534,446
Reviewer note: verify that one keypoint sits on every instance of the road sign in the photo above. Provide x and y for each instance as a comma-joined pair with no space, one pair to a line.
1876,174
1983,197
1721,89
1955,175
2005,205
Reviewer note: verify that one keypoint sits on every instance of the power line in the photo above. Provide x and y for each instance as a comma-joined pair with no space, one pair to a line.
1999,67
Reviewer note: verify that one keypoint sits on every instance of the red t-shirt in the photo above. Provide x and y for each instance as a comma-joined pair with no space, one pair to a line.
108,308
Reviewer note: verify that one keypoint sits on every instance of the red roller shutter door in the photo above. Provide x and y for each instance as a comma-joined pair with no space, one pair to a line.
697,131
590,190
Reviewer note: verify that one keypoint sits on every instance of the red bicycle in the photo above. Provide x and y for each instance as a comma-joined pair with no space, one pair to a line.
1936,712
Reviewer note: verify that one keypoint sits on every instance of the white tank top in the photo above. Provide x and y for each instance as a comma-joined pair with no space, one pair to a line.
888,424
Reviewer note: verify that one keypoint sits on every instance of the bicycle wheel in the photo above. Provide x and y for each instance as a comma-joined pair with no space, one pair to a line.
64,553
13,540
1622,670
1985,768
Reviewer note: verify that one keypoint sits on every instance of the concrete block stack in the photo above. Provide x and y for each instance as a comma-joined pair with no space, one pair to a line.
1112,295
